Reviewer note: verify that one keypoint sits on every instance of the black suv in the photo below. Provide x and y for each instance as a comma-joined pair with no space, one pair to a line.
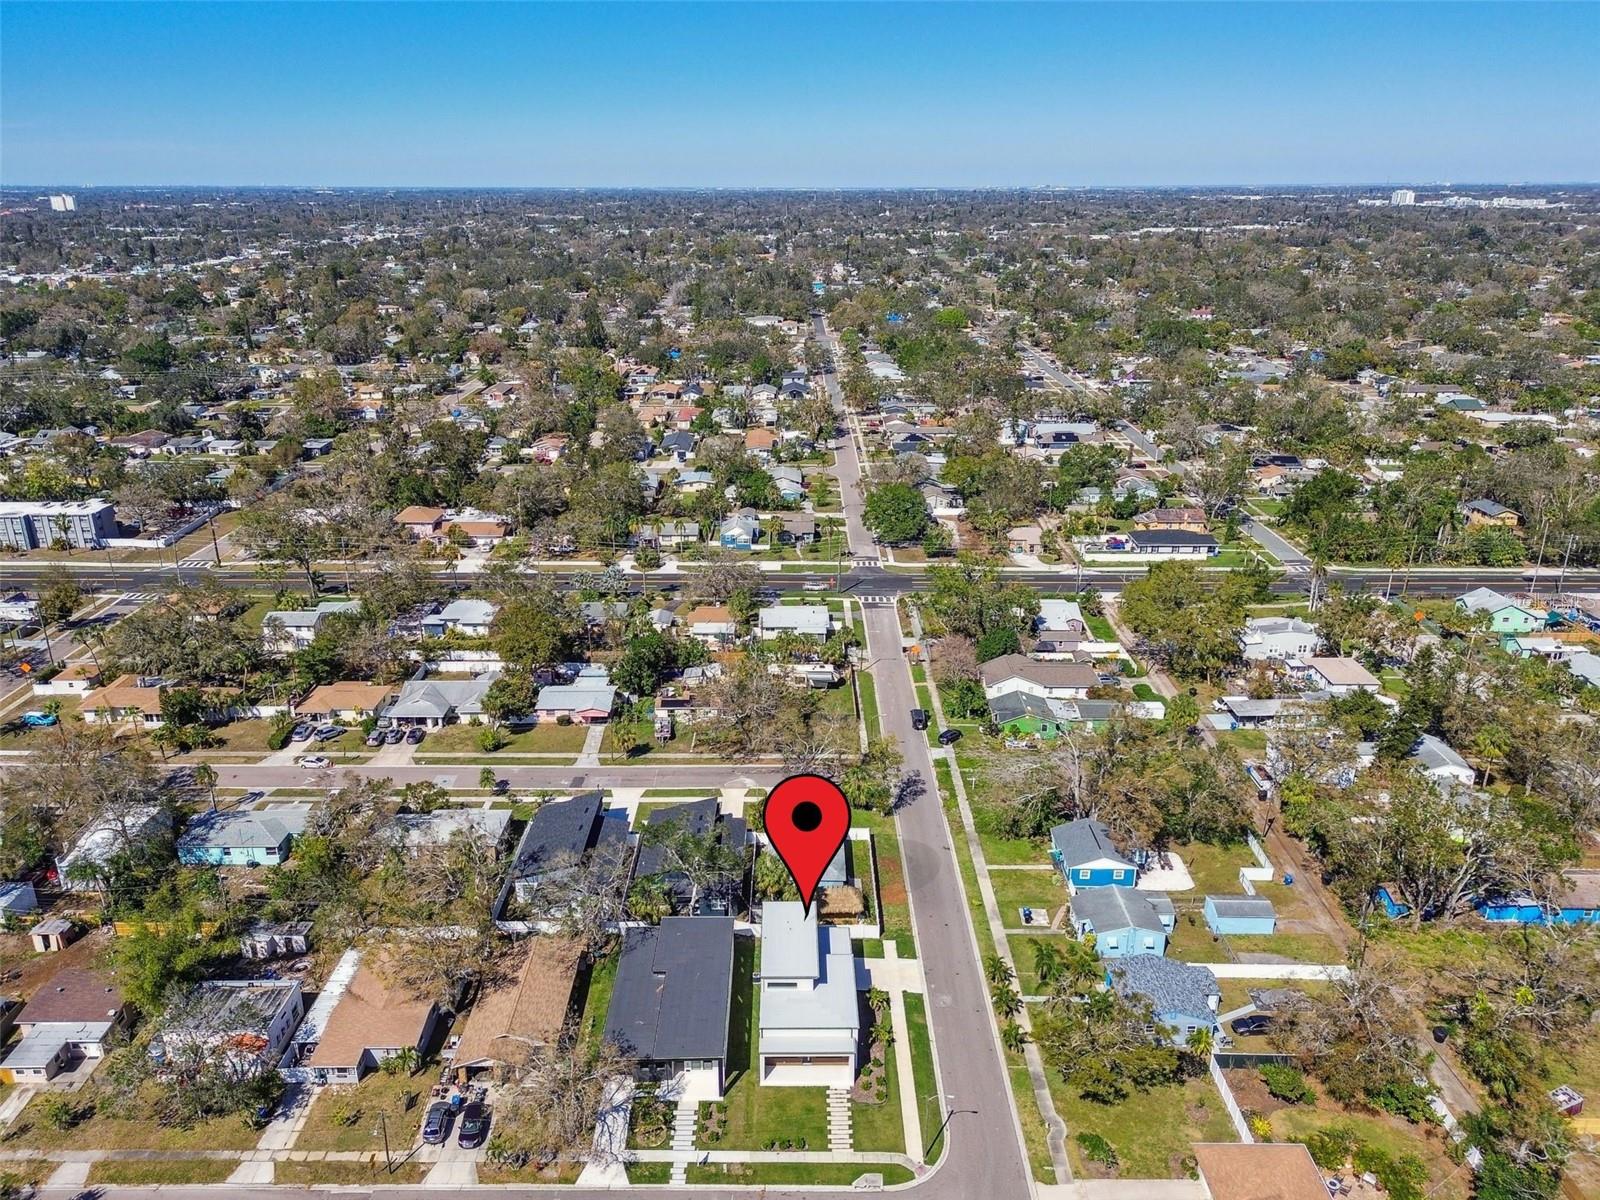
919,718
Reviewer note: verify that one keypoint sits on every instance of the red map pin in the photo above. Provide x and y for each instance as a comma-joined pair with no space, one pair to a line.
806,818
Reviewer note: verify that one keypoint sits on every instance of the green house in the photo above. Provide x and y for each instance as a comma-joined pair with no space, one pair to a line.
1505,614
1022,714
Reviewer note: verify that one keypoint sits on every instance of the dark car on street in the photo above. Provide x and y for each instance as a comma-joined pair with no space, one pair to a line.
436,1125
919,718
474,1126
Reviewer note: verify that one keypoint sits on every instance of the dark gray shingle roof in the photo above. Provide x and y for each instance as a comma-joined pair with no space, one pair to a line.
673,990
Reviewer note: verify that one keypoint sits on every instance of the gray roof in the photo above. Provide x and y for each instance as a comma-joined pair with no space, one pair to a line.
1170,537
1172,987
467,612
1489,508
437,697
244,829
1043,674
799,618
1084,841
1110,908
228,1006
1250,708
577,697
1483,599
1242,906
1008,706
564,829
673,990
1434,754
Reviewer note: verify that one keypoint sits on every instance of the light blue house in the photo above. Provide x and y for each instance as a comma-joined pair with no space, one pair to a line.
1182,997
1505,614
1083,851
241,838
1240,915
741,531
1123,921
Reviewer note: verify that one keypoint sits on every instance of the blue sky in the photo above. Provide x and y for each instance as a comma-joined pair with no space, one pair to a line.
796,95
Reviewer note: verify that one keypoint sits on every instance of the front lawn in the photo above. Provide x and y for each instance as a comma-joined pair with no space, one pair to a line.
602,976
758,1116
1215,869
354,1117
104,1132
895,909
547,738
1151,1131
1043,891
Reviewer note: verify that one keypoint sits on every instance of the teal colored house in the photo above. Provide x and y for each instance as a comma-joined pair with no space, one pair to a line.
1505,614
1083,851
1123,921
1240,915
241,838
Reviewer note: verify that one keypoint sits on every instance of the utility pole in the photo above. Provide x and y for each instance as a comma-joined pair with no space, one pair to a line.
1566,557
1544,530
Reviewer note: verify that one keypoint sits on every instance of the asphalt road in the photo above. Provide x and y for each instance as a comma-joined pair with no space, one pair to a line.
465,775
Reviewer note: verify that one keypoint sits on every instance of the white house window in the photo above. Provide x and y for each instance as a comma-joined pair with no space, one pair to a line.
1111,943
1149,942
1083,873
1117,874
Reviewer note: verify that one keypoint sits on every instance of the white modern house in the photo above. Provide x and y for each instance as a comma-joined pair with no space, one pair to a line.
285,630
810,1016
470,618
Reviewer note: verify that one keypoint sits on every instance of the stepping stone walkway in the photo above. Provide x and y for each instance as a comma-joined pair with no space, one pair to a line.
840,1133
685,1117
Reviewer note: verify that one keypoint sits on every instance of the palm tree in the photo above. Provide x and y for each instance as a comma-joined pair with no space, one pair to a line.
1006,1001
1049,964
1200,1041
486,779
997,971
649,901
206,776
1013,1037
404,1061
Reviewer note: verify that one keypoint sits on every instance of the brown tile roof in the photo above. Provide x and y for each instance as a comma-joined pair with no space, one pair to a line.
481,528
1276,1171
372,1012
74,995
347,694
124,692
418,514
532,1006
760,439
708,614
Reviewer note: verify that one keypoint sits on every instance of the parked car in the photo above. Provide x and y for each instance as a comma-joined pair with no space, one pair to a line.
315,761
1251,1025
815,585
474,1126
393,737
919,718
436,1125
301,732
328,732
415,734
949,737
375,738
35,719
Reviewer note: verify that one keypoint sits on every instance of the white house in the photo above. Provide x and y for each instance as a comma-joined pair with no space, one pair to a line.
806,620
1339,676
1438,760
1052,680
810,1017
287,630
1274,639
470,618
249,1020
1061,617
104,837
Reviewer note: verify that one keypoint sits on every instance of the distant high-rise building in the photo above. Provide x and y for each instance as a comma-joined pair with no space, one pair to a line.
1402,196
63,203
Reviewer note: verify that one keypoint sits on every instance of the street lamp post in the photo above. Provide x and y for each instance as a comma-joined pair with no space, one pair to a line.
939,1132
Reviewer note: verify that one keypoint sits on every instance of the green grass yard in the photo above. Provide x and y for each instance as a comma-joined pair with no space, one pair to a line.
1039,890
156,1172
1151,1131
541,739
378,1101
777,1174
930,1110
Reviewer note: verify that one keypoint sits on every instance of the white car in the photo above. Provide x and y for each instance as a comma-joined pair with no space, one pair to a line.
314,761
814,586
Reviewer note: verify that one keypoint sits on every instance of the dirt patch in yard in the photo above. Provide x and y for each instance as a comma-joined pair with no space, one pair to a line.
1250,1091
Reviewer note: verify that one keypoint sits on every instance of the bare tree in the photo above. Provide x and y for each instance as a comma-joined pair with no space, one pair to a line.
565,1089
